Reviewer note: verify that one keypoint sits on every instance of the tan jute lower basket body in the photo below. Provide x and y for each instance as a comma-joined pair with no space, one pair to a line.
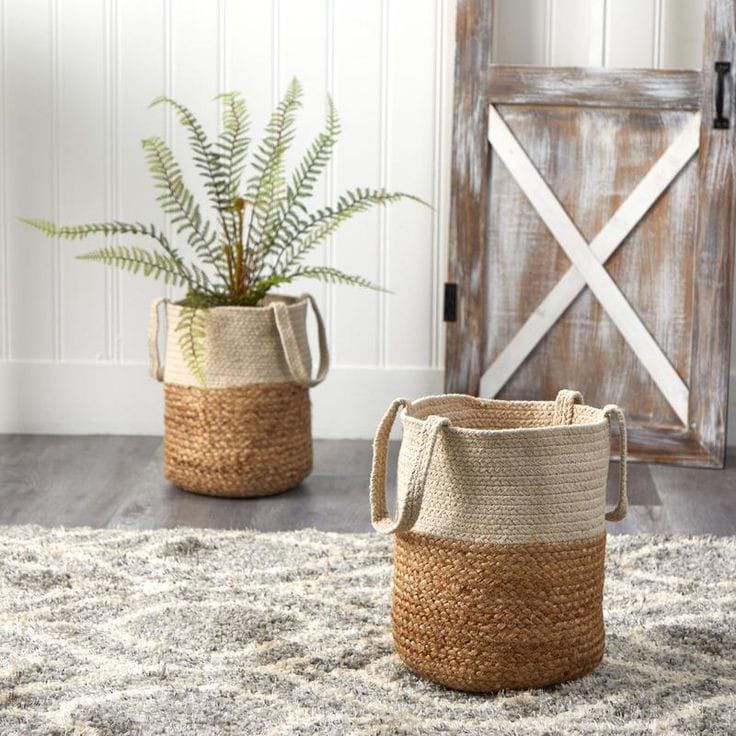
499,537
245,431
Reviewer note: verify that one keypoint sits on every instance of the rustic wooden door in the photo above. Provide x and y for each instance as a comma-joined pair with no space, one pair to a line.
592,230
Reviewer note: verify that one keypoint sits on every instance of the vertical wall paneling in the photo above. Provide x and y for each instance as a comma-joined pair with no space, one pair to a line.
77,78
681,37
195,83
144,51
520,32
83,175
223,81
4,179
249,55
657,34
112,282
275,52
384,153
303,53
549,30
574,32
409,272
112,189
597,30
358,163
331,167
56,268
630,33
439,82
168,111
624,33
28,156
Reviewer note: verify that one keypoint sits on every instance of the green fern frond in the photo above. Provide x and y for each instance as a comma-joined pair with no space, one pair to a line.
335,276
117,227
263,232
232,145
315,160
260,288
178,202
304,180
191,331
207,161
267,189
77,232
301,236
150,263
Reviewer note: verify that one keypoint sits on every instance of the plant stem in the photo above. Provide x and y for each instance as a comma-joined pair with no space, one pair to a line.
229,258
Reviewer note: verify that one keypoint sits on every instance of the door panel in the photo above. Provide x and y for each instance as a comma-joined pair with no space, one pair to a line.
591,243
592,162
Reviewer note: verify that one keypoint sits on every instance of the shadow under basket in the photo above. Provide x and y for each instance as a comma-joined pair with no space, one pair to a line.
247,431
499,538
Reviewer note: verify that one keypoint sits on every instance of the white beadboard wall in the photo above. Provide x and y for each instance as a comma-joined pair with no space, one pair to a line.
76,77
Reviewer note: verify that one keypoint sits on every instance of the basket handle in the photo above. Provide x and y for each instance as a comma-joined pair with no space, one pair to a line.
408,509
619,512
155,366
564,406
294,358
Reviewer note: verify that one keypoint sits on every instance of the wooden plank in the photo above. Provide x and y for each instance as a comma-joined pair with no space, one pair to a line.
593,160
600,282
553,306
657,89
715,235
656,443
469,195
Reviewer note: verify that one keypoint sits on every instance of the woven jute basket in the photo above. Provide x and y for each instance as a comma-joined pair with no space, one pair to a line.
246,430
499,537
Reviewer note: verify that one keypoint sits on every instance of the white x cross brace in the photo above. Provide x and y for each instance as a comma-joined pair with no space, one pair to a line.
587,260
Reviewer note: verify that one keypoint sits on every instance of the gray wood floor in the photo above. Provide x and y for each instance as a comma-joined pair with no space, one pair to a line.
109,481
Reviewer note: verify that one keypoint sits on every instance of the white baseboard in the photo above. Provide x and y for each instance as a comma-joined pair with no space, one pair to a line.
94,398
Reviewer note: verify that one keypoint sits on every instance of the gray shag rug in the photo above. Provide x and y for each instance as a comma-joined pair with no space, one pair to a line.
209,632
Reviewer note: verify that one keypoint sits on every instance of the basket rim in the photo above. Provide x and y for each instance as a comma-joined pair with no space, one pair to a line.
263,307
512,431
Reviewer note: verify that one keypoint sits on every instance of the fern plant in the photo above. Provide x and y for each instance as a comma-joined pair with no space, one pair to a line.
262,231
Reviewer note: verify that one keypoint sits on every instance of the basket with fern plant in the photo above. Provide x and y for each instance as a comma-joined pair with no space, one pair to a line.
238,367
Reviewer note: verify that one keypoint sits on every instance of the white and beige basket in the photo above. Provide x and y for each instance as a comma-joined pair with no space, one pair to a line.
499,537
246,430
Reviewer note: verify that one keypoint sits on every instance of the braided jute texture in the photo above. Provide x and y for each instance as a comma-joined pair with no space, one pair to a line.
483,617
242,345
242,427
500,537
248,441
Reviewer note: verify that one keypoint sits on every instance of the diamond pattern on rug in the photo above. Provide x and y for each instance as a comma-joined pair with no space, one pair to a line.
118,633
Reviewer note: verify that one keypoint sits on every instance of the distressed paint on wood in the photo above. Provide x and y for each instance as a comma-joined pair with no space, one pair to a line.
715,235
592,160
578,251
653,89
469,197
623,221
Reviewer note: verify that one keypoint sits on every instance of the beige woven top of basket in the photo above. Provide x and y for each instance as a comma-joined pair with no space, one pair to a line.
244,345
499,471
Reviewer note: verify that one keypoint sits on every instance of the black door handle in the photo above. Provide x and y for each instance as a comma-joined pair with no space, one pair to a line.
722,68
